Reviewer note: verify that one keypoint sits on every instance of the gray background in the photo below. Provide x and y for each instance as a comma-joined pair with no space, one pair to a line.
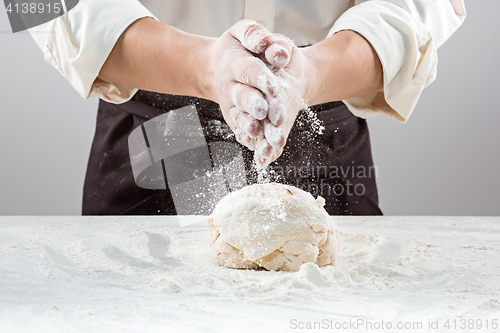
444,161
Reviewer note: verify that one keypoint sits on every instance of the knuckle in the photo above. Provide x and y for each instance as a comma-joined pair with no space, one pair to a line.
245,22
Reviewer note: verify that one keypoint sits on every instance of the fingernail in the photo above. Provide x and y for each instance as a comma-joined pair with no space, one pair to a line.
280,61
277,139
252,145
277,115
250,128
273,87
280,114
261,109
257,41
261,145
281,56
275,136
260,161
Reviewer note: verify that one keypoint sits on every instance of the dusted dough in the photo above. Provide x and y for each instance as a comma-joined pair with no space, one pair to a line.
278,227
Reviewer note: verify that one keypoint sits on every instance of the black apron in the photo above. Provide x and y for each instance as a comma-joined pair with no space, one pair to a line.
336,164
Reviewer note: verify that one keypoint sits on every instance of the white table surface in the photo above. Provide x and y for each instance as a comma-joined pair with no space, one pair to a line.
135,274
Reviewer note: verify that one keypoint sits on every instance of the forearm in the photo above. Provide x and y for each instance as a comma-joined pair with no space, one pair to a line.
153,56
345,65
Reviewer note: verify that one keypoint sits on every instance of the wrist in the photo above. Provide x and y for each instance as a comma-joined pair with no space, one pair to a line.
310,82
203,64
347,66
183,59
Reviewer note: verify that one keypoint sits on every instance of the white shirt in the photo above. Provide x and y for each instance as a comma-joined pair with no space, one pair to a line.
405,34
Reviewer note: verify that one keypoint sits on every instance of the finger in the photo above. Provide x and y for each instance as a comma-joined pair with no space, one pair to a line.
235,114
250,100
275,135
229,118
251,143
266,154
254,129
246,131
250,125
252,71
238,134
276,111
276,153
251,35
260,161
264,149
245,139
246,123
279,53
262,153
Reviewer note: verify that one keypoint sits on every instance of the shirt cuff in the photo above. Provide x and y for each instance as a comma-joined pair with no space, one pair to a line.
406,50
78,43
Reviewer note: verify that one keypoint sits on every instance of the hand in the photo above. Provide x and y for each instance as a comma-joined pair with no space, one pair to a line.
245,88
342,66
296,81
153,56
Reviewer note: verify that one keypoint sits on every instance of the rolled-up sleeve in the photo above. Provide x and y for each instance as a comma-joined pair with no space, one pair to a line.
78,43
405,34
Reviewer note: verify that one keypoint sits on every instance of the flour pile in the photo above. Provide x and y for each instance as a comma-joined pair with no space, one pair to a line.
273,226
136,273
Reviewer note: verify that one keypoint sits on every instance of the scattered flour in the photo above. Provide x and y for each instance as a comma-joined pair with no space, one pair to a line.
126,273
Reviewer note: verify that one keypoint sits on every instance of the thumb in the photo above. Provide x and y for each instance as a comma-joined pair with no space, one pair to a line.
279,53
254,37
257,39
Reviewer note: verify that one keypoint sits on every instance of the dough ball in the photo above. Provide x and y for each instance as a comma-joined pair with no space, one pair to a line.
278,227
